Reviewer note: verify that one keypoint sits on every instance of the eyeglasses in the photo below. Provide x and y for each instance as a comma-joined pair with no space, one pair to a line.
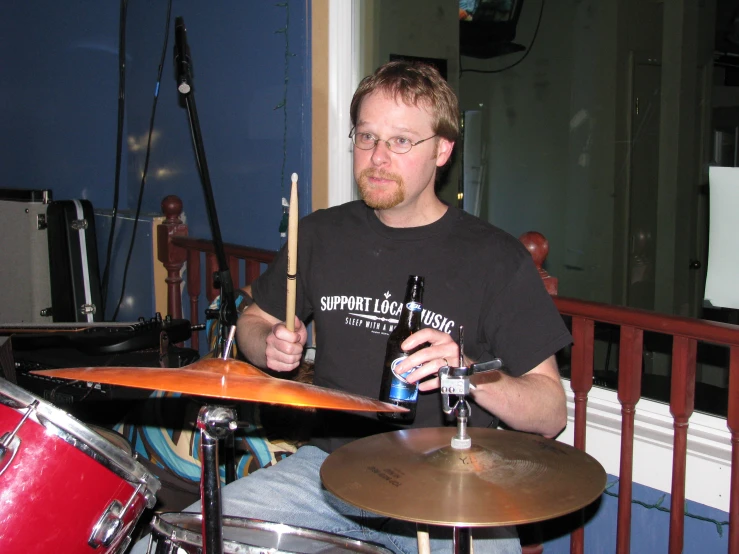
399,145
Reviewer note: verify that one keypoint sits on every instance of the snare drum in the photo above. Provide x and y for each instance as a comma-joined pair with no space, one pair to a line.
64,488
181,533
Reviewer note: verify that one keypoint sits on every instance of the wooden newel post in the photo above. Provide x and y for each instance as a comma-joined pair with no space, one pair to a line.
538,245
172,257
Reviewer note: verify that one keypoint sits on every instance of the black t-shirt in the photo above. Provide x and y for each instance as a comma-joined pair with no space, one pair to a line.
352,273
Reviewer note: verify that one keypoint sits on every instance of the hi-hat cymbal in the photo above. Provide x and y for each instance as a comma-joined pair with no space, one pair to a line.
229,379
505,478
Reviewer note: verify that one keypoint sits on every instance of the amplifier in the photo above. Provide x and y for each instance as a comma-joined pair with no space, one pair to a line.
25,288
137,344
99,338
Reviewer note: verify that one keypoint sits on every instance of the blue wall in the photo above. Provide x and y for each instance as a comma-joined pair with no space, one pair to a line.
59,110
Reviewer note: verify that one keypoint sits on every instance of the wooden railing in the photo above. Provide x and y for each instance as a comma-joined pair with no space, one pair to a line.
686,333
175,248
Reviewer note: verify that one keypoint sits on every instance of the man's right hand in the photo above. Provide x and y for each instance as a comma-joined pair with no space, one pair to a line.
284,348
266,341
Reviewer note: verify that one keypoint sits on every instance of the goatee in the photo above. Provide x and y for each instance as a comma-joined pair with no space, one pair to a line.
380,198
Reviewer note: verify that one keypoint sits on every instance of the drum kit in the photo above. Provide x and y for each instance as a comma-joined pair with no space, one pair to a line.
71,488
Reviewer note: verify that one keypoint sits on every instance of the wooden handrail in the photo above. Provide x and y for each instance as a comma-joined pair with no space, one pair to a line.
232,250
699,329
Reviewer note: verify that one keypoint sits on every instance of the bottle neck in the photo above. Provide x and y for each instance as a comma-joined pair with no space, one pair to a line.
410,315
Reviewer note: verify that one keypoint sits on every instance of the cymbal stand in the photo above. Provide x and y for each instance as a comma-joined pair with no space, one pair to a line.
227,313
214,423
455,381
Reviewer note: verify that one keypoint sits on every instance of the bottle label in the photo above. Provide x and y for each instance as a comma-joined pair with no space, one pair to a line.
414,306
400,389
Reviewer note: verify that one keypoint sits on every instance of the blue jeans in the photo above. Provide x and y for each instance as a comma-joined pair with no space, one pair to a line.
290,492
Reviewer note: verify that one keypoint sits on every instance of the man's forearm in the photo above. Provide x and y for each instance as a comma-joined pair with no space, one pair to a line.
251,336
534,402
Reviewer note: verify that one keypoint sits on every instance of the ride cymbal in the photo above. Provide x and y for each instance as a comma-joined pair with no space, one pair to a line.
230,379
505,478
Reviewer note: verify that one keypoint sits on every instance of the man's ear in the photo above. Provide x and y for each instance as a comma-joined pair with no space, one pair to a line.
444,151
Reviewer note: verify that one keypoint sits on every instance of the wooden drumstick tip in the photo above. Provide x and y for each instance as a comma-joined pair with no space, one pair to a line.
292,254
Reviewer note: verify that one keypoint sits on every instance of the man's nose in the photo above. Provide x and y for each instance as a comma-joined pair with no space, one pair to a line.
381,153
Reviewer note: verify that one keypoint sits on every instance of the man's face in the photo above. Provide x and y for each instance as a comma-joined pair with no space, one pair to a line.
389,180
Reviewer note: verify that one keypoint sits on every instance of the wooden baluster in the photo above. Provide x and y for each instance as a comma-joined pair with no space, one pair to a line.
629,392
538,245
193,291
581,378
581,381
211,268
235,269
172,257
732,421
252,270
682,402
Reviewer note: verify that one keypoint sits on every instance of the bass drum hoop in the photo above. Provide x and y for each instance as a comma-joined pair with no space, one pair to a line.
176,527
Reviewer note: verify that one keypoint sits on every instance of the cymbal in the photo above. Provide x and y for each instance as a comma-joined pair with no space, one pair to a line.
230,379
504,478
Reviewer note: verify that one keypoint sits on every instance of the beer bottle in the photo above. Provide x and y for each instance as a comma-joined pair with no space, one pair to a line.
394,389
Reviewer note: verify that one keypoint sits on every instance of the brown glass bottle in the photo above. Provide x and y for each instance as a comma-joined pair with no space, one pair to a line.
394,389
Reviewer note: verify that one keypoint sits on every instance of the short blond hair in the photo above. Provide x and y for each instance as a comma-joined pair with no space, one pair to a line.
415,83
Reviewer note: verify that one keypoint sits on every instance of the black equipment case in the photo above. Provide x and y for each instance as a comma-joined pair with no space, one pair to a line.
73,262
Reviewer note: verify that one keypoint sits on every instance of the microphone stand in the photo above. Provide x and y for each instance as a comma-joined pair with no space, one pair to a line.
214,422
227,314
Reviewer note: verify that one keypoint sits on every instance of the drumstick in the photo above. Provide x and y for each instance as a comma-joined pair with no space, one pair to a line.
292,253
422,532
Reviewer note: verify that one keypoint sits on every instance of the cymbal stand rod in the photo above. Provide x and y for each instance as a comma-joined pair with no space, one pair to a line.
214,423
462,540
455,381
462,441
229,343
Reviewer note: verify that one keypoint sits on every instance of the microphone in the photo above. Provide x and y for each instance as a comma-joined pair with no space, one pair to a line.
181,56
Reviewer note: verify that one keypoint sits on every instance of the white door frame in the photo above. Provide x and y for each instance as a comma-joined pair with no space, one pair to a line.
344,67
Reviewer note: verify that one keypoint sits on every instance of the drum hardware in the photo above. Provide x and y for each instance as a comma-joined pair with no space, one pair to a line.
180,532
111,522
10,441
214,423
455,381
7,437
228,347
11,446
163,349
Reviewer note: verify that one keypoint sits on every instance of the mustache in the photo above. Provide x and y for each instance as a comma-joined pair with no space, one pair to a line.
378,174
